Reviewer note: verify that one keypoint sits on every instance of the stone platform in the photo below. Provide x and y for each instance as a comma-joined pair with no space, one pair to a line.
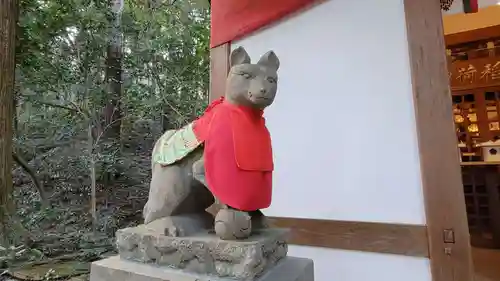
117,269
204,253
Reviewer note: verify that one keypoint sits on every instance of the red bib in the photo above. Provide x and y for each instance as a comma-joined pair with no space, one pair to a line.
238,155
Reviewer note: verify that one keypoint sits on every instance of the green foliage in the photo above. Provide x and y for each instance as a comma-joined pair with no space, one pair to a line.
61,61
61,91
167,61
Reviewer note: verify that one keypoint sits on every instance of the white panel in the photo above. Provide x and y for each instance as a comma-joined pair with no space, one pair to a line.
343,129
343,123
333,265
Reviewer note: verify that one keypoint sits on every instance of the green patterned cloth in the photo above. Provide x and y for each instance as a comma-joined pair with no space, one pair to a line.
175,145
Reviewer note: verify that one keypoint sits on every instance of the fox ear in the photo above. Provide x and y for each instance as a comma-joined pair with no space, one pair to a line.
239,56
270,59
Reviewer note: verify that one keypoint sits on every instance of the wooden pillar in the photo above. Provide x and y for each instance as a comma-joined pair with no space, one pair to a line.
219,68
446,220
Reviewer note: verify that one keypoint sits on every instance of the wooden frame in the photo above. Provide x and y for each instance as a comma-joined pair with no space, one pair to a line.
219,68
474,73
397,239
485,134
447,229
472,35
445,237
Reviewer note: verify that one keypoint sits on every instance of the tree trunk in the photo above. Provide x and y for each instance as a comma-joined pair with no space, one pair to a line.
112,111
93,199
15,119
8,22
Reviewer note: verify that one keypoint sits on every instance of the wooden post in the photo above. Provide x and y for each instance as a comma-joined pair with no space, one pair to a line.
446,219
219,68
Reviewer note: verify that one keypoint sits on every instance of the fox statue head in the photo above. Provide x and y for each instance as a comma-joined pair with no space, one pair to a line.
252,85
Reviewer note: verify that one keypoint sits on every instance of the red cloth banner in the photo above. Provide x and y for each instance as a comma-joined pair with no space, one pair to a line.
233,19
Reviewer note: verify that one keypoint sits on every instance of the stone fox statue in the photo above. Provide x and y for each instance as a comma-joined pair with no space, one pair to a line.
224,155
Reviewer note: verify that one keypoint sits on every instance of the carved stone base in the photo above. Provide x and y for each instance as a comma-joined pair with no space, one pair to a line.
116,269
205,253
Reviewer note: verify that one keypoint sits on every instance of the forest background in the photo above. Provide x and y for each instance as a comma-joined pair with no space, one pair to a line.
96,83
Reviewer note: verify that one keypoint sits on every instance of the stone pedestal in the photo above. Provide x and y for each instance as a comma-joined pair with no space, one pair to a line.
117,269
146,254
204,253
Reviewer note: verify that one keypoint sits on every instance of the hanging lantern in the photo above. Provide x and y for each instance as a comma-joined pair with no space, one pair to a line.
471,6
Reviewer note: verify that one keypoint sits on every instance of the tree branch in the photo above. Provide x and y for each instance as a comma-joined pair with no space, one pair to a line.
38,185
72,106
52,104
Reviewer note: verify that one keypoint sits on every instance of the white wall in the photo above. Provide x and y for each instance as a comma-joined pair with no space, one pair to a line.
343,129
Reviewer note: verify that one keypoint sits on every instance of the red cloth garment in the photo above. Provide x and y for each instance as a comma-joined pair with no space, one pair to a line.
252,141
202,124
238,156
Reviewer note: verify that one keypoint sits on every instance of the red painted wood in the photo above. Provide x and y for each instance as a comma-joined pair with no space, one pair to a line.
233,19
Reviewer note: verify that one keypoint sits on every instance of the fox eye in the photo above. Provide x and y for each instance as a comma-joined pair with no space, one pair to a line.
246,75
271,80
